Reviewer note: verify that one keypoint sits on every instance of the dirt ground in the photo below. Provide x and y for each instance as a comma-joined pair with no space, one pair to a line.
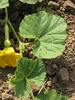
59,70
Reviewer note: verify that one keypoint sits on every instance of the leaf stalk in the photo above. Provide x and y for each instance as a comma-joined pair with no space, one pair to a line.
14,31
31,90
34,42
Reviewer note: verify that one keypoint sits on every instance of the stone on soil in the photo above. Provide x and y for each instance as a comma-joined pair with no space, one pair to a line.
69,6
6,96
53,4
55,66
63,76
10,87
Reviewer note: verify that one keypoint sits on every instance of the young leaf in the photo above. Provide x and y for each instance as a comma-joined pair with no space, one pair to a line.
30,70
50,30
4,3
51,95
31,1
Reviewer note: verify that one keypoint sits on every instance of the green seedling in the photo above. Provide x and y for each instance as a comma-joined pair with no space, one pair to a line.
49,34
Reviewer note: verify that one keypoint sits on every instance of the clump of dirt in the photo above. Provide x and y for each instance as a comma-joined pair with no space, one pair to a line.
59,70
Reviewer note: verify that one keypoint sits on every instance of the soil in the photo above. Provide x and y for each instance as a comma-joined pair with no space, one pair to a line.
59,70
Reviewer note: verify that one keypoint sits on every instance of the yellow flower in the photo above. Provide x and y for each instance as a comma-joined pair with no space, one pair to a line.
2,59
8,57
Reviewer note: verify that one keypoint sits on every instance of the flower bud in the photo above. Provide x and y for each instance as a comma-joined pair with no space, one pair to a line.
7,43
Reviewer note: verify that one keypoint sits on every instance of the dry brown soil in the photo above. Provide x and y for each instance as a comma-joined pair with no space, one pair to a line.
60,70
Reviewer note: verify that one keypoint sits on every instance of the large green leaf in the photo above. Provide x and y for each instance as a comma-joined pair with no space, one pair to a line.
38,75
51,95
4,3
22,88
49,30
25,66
31,1
27,70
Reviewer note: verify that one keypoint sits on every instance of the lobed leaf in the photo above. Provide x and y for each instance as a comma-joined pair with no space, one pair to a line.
27,70
4,3
49,30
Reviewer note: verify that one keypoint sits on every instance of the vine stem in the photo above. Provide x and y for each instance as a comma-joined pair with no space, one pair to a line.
6,14
31,90
7,20
34,42
6,28
15,34
14,31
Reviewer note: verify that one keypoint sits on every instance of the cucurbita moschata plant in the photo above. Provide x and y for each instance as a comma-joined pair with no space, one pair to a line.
49,34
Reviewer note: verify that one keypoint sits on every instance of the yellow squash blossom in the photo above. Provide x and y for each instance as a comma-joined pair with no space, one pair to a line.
2,59
8,57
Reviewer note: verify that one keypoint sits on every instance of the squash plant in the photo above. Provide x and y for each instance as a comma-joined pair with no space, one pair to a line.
49,34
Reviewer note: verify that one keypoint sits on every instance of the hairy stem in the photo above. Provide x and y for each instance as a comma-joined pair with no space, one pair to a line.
6,14
7,20
6,28
14,31
34,42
